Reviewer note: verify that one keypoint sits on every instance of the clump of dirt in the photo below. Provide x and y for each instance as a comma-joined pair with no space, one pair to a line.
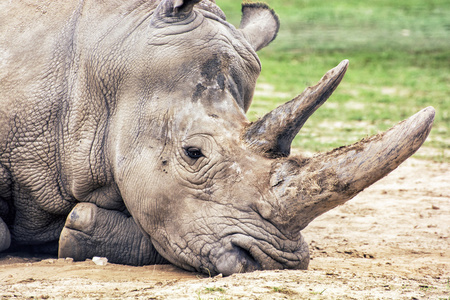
389,242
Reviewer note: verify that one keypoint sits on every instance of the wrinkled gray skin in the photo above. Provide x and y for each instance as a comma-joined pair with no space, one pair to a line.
123,134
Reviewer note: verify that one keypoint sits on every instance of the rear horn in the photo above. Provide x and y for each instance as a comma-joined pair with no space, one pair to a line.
272,135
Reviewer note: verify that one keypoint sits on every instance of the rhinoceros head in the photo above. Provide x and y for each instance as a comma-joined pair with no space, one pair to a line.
215,192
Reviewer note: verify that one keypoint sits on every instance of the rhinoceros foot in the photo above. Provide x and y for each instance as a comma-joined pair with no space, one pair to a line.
93,231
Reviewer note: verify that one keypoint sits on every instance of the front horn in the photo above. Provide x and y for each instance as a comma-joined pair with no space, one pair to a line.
306,188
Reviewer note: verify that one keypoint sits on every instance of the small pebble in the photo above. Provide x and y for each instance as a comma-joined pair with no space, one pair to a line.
68,260
100,261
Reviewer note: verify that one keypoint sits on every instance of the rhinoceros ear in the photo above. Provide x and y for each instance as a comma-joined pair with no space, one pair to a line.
175,8
259,24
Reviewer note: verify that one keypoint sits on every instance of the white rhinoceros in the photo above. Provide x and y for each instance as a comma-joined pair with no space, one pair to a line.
123,134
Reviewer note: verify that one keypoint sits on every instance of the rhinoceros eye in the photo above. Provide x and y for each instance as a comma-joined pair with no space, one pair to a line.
193,152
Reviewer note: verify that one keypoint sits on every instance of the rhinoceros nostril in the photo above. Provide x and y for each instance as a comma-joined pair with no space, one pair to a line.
237,260
244,253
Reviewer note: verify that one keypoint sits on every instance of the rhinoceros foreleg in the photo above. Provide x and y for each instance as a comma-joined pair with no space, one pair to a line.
92,231
5,236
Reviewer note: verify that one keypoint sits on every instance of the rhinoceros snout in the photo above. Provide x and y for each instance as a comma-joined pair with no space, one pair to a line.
247,254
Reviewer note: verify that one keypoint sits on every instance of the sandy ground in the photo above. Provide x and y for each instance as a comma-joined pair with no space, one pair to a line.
390,242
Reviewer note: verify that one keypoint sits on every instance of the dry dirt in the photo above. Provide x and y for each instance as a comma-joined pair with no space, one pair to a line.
390,242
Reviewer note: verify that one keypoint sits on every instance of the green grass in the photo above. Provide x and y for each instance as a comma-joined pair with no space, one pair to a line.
399,54
214,289
282,290
211,290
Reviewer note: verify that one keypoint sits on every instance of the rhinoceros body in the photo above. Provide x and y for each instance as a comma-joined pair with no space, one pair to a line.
123,134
